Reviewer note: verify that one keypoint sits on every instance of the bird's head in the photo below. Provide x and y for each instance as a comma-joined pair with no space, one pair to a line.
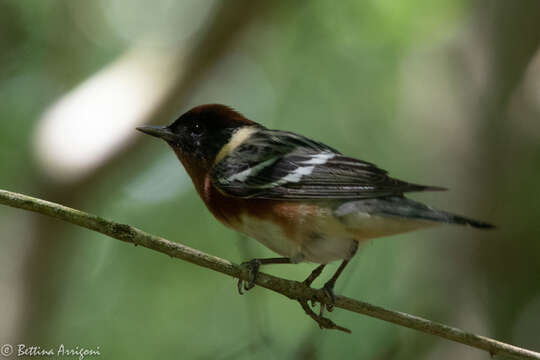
199,135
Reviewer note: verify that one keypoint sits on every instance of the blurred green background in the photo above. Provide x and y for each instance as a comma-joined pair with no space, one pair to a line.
438,92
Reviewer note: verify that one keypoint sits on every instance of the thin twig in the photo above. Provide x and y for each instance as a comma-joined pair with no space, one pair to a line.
292,289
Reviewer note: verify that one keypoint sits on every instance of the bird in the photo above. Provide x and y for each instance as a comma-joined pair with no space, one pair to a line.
304,200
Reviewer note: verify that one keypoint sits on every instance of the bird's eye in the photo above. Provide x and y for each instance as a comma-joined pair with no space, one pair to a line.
197,129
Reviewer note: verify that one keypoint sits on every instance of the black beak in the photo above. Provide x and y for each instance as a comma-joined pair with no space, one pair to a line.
161,132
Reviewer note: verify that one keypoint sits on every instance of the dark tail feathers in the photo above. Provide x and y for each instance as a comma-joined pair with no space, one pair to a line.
461,220
406,208
419,188
409,208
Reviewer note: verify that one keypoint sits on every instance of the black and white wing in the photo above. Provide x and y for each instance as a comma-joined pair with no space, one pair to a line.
273,164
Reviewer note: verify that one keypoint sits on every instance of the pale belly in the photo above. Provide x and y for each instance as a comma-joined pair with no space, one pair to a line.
316,236
322,237
316,242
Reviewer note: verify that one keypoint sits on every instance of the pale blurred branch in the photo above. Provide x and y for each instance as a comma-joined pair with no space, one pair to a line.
292,289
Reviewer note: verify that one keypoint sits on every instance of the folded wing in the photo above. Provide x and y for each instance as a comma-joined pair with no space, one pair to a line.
278,165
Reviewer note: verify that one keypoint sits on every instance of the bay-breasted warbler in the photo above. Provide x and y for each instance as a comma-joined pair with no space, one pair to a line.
302,199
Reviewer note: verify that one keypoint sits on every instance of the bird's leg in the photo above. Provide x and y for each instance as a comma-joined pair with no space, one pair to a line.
314,274
328,287
252,267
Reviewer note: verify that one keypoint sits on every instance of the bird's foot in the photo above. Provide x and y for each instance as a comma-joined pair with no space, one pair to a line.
323,322
328,299
252,267
328,290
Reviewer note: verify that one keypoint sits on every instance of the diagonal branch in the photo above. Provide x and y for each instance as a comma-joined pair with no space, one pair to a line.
292,289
